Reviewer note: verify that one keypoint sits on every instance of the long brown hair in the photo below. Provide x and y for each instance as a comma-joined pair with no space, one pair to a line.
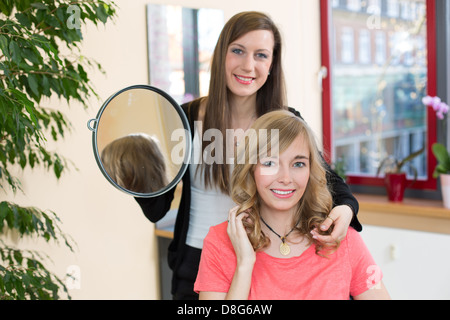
316,202
271,95
135,162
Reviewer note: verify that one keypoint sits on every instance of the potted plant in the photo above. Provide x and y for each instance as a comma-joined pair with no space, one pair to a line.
442,169
443,158
40,56
395,178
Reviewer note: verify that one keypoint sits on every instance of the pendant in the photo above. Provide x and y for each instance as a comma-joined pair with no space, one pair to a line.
284,248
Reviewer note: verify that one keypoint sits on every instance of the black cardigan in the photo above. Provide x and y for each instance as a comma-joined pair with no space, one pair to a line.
156,208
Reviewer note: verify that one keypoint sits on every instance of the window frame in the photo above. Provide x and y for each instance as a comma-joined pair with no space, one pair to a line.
327,125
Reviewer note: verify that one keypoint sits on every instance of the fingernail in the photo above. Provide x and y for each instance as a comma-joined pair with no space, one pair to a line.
323,227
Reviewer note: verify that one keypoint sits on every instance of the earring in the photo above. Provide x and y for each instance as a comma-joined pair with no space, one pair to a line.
268,73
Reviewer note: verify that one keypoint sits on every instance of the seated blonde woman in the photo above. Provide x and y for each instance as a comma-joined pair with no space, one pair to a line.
267,249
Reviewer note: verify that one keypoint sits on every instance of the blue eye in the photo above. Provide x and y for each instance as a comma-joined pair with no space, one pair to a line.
299,165
236,51
268,163
262,55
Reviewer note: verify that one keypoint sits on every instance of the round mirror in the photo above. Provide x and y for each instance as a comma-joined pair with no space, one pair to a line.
141,141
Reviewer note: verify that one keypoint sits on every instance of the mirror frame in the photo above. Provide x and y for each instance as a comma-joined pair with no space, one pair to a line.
93,125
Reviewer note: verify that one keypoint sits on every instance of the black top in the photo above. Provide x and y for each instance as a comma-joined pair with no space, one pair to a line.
156,208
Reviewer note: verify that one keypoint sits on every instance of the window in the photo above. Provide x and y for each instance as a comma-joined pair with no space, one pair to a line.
393,8
374,6
181,42
372,100
354,5
380,48
347,45
406,12
364,47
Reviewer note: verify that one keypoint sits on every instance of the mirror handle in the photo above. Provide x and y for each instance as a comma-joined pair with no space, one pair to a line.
90,127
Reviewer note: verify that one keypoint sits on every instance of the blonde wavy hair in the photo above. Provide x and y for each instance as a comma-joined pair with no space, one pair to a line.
316,203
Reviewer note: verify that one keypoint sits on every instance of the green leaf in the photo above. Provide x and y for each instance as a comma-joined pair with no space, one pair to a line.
52,21
58,168
32,159
101,13
23,20
46,86
15,52
22,97
4,45
441,153
443,158
6,8
32,82
39,6
22,160
54,133
8,280
33,56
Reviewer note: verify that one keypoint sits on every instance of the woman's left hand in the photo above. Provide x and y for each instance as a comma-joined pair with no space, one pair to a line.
340,216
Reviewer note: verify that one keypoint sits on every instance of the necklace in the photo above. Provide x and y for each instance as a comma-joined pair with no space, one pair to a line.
284,247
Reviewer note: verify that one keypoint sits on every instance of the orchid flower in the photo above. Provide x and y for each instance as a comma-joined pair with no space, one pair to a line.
438,106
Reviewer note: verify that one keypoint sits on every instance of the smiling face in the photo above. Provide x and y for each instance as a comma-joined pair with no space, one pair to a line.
248,62
281,181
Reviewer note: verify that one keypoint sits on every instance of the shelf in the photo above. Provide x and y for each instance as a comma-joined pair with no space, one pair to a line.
413,214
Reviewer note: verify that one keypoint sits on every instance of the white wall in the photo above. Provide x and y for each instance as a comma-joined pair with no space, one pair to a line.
116,253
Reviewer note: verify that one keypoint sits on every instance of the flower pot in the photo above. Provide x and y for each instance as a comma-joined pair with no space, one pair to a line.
395,186
445,189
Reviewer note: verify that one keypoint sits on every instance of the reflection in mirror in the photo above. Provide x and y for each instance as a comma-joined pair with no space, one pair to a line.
180,44
137,143
136,163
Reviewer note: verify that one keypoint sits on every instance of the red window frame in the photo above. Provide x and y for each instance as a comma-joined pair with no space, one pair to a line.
430,183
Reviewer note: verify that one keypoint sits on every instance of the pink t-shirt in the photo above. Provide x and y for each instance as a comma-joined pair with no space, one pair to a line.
349,271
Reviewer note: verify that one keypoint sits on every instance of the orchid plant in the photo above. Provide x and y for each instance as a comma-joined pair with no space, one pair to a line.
437,104
439,150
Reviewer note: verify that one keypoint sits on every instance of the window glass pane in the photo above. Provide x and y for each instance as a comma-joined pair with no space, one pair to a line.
181,43
379,77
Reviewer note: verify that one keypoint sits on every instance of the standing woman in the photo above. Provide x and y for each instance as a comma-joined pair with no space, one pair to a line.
247,81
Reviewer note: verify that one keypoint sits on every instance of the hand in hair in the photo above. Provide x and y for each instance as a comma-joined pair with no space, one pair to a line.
245,256
340,217
245,253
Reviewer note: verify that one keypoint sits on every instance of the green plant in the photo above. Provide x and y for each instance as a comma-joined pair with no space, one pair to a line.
439,150
443,158
392,164
339,166
40,58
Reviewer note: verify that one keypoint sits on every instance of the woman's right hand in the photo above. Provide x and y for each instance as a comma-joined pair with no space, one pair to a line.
245,254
